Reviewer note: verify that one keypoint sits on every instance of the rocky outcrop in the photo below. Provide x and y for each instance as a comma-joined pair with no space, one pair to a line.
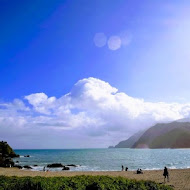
55,165
18,166
6,155
65,168
6,150
59,165
73,165
27,167
6,161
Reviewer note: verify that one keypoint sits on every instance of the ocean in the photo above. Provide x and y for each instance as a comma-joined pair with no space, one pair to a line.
106,159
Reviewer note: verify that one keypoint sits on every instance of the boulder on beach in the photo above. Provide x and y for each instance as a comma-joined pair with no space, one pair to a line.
55,165
8,162
65,168
27,167
18,166
73,165
35,165
26,155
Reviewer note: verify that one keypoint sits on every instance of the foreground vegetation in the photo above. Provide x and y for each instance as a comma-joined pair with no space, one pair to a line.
77,183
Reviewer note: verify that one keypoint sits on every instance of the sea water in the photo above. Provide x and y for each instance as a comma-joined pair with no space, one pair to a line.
106,159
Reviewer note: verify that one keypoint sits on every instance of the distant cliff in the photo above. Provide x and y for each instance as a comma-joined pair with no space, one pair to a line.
162,135
166,135
130,141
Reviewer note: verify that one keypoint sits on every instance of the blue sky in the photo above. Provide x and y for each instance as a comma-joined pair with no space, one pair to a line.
49,49
47,46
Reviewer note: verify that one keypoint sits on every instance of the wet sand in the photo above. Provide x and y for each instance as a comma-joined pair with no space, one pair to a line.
179,178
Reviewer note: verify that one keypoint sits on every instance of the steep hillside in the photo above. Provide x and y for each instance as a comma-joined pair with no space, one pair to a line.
177,138
130,141
5,149
6,155
166,135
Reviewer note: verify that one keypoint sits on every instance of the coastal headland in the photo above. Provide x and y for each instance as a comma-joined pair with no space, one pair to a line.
179,178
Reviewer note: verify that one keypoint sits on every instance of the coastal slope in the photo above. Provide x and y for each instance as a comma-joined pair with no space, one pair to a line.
6,155
162,135
5,149
166,135
130,141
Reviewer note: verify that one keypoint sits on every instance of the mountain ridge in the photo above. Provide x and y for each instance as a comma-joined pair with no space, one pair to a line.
175,134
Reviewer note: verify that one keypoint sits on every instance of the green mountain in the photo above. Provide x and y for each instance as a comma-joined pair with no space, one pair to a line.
130,141
165,135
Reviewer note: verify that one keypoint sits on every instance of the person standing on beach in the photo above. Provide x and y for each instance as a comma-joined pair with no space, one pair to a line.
166,174
122,168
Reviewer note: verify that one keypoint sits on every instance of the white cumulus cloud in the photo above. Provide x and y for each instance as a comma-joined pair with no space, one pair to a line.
93,111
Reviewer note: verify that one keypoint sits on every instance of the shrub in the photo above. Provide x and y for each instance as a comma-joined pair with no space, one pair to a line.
77,183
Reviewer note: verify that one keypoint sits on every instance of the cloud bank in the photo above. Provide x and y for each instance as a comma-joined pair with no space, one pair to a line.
92,114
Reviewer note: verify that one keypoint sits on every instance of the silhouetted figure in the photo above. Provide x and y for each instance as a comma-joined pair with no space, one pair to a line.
139,171
122,168
166,174
44,169
126,168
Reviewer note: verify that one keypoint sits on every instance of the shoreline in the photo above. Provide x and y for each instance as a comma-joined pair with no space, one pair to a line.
179,178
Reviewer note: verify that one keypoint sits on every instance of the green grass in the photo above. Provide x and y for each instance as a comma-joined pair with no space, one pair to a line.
77,183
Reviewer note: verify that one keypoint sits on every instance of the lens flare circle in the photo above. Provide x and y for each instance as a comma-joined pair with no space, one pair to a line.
100,39
114,42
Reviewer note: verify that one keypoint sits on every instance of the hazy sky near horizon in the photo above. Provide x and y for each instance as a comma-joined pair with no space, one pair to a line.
91,73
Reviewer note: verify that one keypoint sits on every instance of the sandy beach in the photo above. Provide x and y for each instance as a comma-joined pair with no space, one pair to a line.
179,178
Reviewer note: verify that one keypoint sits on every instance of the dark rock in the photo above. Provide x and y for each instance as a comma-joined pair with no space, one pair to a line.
65,168
26,155
9,161
27,167
6,162
55,165
18,166
35,165
17,161
73,165
6,150
14,155
6,155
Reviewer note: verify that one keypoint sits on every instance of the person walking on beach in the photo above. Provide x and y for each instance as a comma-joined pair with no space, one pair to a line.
166,174
139,171
122,168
